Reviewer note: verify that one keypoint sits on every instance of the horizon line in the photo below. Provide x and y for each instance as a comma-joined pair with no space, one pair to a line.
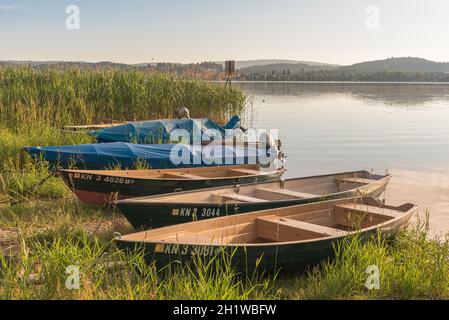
212,60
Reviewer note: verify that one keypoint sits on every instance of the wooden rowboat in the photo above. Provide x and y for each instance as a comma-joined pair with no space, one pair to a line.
164,210
288,238
102,186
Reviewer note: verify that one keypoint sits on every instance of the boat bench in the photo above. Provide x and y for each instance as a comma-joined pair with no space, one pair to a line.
386,213
274,228
285,192
221,234
237,197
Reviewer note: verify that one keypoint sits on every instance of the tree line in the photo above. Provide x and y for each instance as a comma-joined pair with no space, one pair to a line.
338,75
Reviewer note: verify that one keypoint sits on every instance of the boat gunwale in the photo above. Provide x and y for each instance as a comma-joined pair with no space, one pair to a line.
260,174
153,198
406,214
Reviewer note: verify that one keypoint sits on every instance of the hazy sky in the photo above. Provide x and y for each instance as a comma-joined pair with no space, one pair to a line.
133,31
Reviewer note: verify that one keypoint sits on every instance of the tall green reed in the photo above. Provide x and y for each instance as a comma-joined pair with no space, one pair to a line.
57,98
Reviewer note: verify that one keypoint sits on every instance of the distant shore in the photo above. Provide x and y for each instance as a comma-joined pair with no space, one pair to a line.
335,82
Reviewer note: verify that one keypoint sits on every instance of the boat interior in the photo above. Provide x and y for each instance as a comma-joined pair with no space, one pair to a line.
187,174
297,223
301,188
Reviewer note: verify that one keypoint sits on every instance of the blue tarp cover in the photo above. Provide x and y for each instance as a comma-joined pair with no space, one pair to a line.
126,155
158,131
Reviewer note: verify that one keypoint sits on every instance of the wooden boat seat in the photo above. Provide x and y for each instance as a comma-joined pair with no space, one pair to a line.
287,192
244,171
182,175
278,229
238,197
363,208
356,180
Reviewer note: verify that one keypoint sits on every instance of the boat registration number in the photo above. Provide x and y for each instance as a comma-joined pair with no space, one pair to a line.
195,213
186,249
119,180
98,178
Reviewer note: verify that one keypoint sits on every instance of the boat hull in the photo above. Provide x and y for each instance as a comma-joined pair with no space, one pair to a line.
144,215
265,258
97,188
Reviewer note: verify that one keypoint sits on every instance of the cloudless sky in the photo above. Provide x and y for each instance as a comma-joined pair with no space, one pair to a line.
135,31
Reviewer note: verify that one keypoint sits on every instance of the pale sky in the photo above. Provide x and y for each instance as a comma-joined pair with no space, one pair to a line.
136,31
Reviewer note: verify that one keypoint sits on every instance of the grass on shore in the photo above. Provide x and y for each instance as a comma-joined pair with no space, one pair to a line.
20,181
410,267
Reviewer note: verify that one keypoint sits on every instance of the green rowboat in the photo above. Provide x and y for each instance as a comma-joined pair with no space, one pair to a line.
103,186
169,209
289,238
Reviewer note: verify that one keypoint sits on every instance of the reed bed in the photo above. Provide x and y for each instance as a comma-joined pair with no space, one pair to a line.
57,98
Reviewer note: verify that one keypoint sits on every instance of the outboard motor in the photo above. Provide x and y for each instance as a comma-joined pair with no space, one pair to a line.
183,112
273,149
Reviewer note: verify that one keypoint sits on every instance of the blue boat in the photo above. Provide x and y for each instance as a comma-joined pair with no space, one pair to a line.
159,131
157,156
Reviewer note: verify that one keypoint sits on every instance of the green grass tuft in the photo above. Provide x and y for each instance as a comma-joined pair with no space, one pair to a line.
410,267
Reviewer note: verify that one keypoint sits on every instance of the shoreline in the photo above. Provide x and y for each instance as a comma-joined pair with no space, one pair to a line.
333,82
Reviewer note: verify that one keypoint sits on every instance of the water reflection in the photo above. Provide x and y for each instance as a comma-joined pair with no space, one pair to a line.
430,190
394,94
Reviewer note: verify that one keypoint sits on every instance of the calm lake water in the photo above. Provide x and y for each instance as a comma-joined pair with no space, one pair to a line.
329,127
